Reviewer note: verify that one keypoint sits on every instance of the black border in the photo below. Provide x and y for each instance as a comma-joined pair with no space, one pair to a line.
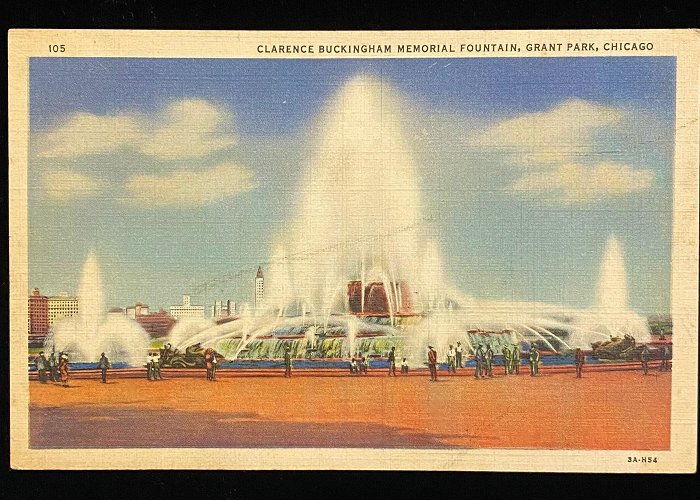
362,15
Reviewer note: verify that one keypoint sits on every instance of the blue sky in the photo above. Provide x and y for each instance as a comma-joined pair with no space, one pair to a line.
505,204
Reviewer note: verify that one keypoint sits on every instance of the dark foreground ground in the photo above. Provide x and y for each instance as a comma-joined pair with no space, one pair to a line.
603,410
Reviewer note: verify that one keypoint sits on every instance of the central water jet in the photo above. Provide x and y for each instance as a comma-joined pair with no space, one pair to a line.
359,213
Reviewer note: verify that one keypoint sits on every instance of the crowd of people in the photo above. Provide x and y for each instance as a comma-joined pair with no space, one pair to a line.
484,360
512,357
665,365
56,369
52,369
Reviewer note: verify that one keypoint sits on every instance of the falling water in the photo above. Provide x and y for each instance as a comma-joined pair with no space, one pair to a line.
85,336
359,212
611,314
91,294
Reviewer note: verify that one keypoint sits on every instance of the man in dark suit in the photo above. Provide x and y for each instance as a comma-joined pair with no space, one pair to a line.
480,359
665,359
644,357
489,361
579,359
287,361
103,364
41,365
534,360
392,361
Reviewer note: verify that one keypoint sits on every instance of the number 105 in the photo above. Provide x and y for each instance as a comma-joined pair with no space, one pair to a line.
57,48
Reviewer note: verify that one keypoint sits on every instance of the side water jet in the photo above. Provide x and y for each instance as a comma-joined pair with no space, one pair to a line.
85,336
611,312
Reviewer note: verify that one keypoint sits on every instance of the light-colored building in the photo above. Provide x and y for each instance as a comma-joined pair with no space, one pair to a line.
259,288
62,306
137,309
221,310
186,309
116,312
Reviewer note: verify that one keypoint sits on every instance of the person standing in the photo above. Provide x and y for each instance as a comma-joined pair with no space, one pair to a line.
53,367
404,367
534,360
507,360
580,359
516,359
152,366
63,369
149,366
644,358
458,359
451,356
41,365
103,364
392,361
213,366
665,358
489,361
432,363
207,362
287,361
364,364
479,358
155,363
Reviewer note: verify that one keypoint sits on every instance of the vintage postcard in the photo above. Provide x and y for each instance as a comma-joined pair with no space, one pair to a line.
354,250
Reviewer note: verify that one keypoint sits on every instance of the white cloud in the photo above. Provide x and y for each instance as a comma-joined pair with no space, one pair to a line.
190,187
190,128
65,185
572,153
561,134
583,184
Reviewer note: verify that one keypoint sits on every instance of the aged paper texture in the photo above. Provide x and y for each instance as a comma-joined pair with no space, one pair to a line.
354,250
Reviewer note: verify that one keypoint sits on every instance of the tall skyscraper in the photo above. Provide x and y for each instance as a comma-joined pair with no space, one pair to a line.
38,320
259,288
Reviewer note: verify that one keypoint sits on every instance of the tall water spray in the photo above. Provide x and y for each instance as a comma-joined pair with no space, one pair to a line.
359,212
612,302
611,295
611,314
91,295
85,336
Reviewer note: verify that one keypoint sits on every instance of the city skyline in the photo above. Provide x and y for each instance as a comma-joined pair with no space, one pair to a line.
66,304
178,173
